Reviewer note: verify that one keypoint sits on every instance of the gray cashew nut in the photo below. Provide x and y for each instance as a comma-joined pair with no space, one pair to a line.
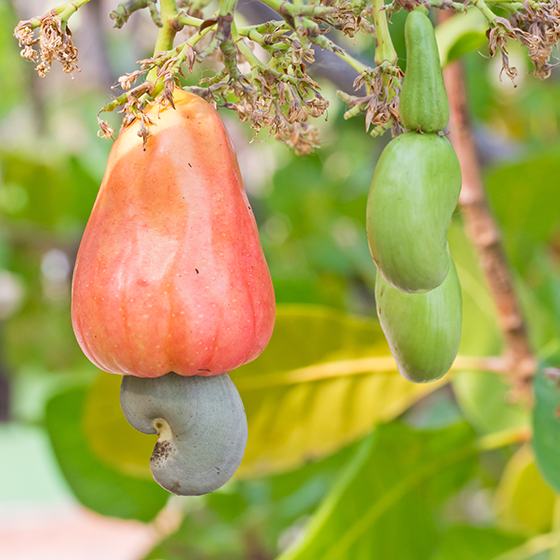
201,425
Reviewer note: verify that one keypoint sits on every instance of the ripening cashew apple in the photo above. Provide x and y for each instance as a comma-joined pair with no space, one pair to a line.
413,195
171,277
423,329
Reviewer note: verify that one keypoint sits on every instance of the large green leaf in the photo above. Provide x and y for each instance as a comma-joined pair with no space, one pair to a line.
324,380
383,504
475,543
263,508
524,502
546,424
96,485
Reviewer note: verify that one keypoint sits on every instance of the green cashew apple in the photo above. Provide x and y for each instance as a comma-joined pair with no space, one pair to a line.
423,330
423,104
414,192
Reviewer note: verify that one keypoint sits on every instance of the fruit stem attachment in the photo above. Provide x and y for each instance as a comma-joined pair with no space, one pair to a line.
166,34
485,236
384,49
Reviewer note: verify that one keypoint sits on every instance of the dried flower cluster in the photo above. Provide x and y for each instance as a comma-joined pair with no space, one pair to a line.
538,28
381,106
497,40
284,109
278,95
55,43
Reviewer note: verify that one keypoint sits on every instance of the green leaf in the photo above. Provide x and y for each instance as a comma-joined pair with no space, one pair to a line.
201,536
474,543
526,203
460,34
524,502
98,487
57,194
546,424
324,381
109,434
395,481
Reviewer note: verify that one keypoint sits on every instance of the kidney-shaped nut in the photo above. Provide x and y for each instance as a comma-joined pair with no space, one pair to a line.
201,427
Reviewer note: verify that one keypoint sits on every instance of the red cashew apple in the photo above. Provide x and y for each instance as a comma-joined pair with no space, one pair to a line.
170,275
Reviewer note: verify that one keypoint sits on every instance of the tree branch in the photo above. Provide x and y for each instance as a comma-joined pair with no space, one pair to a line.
485,236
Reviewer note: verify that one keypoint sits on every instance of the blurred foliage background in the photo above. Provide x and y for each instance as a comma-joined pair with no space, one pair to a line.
343,462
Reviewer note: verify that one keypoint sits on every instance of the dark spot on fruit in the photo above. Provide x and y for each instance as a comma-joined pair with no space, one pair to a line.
189,165
162,451
197,271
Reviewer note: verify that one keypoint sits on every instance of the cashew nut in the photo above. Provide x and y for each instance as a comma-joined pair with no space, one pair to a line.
201,427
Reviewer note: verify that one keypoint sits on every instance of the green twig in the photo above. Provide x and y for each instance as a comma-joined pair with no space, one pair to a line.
384,49
286,9
485,10
250,57
185,19
360,67
124,10
166,35
65,12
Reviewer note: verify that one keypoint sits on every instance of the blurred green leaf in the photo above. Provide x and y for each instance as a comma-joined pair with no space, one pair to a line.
395,481
324,380
12,67
475,543
108,433
248,518
200,537
98,487
57,194
524,502
460,34
314,230
546,424
526,203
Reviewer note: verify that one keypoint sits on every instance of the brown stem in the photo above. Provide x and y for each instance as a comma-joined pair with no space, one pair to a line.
484,234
